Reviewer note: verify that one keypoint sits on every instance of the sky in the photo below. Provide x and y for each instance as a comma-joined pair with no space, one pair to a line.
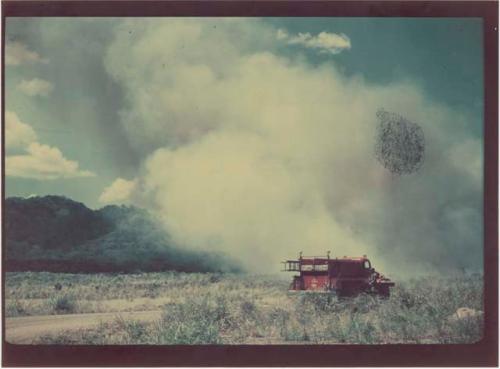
256,136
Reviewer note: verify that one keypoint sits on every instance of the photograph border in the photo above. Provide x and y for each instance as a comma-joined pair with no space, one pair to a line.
482,353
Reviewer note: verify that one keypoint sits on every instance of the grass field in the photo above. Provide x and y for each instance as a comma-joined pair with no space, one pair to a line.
246,309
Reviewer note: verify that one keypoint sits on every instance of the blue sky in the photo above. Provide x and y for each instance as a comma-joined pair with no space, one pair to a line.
444,56
98,107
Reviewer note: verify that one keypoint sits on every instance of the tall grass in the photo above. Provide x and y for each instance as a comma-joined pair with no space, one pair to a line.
244,309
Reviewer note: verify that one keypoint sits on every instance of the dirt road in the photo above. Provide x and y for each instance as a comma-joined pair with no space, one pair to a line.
23,330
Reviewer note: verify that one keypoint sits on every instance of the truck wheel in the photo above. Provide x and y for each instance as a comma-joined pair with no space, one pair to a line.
383,291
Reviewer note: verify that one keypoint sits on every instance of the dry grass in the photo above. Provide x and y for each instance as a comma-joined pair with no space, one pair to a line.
244,309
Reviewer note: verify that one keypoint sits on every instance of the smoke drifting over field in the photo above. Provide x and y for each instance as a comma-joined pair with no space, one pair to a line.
262,156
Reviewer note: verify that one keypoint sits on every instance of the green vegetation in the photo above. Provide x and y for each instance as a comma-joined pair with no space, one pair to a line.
64,304
245,309
57,234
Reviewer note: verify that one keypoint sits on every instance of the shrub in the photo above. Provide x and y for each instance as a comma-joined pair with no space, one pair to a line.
131,332
15,308
196,321
64,304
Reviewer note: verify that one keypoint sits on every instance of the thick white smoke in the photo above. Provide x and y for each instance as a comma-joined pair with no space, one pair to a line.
263,156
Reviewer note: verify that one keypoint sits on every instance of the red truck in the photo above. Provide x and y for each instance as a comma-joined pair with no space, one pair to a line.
347,276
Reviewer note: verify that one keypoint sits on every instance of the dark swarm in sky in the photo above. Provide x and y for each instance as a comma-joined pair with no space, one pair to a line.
400,144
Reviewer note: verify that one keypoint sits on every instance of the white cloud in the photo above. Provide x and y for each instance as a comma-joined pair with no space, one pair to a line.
43,162
37,161
281,34
324,42
262,156
17,53
118,192
35,87
18,135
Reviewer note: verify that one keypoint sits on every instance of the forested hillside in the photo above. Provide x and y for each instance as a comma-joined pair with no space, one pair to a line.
54,233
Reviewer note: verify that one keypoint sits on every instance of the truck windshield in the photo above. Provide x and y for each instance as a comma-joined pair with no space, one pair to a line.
367,264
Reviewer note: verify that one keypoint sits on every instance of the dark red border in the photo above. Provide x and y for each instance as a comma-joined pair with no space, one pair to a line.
483,353
124,8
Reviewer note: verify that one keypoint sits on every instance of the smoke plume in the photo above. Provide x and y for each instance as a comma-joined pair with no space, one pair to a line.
262,156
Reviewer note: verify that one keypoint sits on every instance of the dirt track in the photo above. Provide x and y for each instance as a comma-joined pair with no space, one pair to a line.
23,330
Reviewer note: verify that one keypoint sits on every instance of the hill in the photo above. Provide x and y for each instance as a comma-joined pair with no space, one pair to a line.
54,233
